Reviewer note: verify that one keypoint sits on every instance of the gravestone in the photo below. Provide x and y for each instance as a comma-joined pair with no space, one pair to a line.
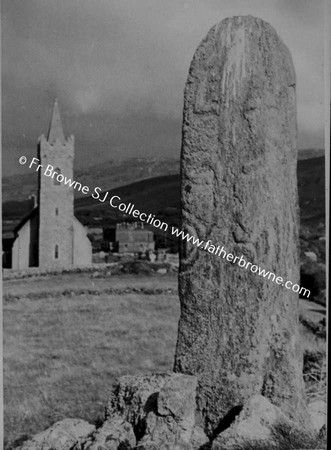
238,331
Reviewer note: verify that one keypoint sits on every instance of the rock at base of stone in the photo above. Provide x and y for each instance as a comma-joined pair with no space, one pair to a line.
163,416
63,435
161,408
149,412
171,425
254,424
177,399
113,435
163,433
133,397
199,440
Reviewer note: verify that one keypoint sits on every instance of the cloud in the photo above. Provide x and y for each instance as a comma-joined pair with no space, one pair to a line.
109,61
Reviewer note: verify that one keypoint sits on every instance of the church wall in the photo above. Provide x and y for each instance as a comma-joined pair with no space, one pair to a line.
53,238
82,245
21,248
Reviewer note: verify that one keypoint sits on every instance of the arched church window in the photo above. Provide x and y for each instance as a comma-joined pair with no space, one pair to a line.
56,182
56,253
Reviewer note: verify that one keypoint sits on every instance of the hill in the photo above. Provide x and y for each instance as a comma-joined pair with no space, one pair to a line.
311,187
161,195
308,153
108,174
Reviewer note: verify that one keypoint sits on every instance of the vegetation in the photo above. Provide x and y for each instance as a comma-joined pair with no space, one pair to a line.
287,438
68,336
62,351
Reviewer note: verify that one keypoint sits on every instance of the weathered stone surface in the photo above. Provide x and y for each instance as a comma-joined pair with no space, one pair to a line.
237,330
173,422
163,433
63,435
161,409
177,399
114,434
254,424
198,438
133,397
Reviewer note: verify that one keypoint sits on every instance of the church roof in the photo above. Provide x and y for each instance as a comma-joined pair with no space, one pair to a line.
55,128
26,218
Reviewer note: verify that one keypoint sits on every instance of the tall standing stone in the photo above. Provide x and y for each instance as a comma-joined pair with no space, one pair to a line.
238,331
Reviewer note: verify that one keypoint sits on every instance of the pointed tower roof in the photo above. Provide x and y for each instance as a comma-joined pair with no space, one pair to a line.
55,129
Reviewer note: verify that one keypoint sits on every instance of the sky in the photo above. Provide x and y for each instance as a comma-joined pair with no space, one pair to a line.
118,69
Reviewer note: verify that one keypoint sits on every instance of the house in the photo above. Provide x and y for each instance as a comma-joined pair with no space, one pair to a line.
134,238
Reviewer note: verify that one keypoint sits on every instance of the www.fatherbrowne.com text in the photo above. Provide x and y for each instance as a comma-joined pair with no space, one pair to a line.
221,252
115,202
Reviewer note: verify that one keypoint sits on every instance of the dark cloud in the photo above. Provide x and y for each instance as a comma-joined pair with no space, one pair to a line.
118,68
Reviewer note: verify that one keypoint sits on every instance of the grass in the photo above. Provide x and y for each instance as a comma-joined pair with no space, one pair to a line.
84,282
68,337
286,438
62,353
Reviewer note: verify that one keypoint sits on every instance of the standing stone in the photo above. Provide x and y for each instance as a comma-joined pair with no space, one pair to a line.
238,331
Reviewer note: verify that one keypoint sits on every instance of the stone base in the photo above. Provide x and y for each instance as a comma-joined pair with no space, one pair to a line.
159,412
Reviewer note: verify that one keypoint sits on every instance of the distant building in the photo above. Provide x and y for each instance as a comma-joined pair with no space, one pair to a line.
162,254
51,236
134,238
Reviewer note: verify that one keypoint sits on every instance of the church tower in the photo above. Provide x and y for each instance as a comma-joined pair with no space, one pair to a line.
56,200
50,236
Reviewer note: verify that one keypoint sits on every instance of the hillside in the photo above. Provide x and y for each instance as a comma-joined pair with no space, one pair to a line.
161,195
108,175
311,186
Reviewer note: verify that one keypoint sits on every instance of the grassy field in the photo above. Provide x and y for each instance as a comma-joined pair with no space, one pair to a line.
62,352
68,337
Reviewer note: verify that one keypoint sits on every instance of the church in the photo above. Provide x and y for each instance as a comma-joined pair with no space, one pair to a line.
50,236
